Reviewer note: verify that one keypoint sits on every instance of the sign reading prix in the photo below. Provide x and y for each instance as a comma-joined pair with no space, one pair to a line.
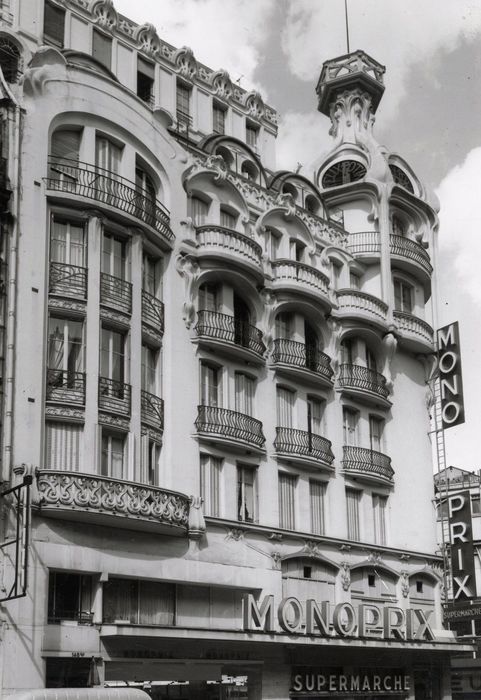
449,363
461,538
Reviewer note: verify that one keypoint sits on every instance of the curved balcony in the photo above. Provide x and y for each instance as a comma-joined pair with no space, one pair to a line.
229,245
98,499
152,410
65,387
67,280
114,396
362,463
365,244
229,426
301,278
230,334
304,361
153,313
409,253
303,447
364,383
87,181
414,332
115,293
353,303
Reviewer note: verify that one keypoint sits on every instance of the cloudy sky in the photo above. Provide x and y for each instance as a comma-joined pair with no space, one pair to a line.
430,113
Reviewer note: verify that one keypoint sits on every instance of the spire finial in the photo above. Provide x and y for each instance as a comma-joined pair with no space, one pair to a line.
347,25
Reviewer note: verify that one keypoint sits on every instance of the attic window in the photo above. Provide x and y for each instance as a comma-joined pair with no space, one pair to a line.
400,178
419,586
371,580
9,60
343,172
53,24
308,572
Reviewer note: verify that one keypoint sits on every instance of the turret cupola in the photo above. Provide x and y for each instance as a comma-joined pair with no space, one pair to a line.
349,90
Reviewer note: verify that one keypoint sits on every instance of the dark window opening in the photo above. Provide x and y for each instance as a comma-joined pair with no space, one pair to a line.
69,597
419,586
371,580
53,24
69,673
343,172
102,48
218,119
307,572
9,60
252,135
145,80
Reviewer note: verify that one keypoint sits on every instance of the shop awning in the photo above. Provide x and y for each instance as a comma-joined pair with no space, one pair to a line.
79,694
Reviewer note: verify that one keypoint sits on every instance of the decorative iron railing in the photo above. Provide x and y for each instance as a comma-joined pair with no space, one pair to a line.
364,461
291,352
358,377
115,292
68,280
65,386
407,248
412,325
230,329
152,409
152,311
229,424
304,443
364,242
114,396
106,187
308,276
362,302
232,242
100,494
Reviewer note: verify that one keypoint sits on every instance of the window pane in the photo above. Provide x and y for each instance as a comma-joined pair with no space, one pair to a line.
218,118
209,385
53,24
287,485
120,600
379,504
317,493
353,526
199,211
102,48
349,426
183,100
63,446
210,469
246,506
285,402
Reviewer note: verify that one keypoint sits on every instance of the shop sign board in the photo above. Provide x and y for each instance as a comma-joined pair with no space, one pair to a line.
466,680
461,613
461,539
321,618
335,681
450,377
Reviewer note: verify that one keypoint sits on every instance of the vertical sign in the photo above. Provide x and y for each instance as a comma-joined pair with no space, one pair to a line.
451,382
461,538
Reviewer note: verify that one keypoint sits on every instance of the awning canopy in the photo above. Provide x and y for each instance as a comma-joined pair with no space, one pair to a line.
79,694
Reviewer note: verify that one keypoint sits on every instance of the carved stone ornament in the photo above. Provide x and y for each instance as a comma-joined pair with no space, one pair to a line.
218,164
374,557
286,201
236,534
78,307
151,433
114,421
404,584
352,119
65,413
222,84
148,40
104,14
389,345
276,558
196,518
41,68
188,269
185,62
255,104
267,322
311,548
114,316
334,346
345,576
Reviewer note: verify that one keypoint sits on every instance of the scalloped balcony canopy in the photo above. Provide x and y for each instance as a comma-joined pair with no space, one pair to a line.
352,70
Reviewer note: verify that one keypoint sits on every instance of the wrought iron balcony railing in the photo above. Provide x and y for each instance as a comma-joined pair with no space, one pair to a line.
407,248
303,443
364,242
310,357
231,242
358,377
68,280
115,292
88,493
231,329
106,187
229,424
65,386
365,462
307,276
152,312
152,410
114,396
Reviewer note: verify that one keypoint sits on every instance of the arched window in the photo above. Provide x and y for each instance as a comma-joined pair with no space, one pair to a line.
249,170
290,189
398,225
343,172
305,578
312,204
9,60
403,296
400,178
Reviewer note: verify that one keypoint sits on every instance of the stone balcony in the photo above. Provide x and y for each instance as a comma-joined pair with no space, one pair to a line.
85,181
353,303
364,244
300,278
413,332
224,244
91,498
367,465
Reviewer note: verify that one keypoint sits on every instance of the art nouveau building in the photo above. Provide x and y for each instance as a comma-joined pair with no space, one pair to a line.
215,373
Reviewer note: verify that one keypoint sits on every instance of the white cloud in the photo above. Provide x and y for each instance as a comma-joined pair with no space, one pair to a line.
397,34
221,33
301,136
460,223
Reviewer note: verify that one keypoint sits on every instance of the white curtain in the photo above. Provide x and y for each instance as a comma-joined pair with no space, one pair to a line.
63,446
210,469
353,525
317,492
287,486
244,393
379,504
285,401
